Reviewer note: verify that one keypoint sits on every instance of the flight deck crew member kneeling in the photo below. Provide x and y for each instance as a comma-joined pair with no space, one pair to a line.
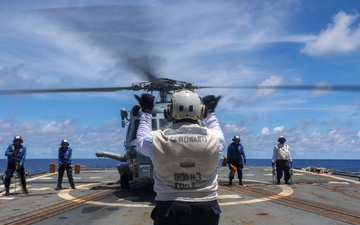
16,154
235,157
64,157
185,158
282,157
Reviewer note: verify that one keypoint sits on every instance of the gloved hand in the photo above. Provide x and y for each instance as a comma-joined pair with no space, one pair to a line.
210,101
272,164
244,161
146,102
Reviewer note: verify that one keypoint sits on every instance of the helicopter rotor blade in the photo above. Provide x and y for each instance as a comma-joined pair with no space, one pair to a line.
144,66
345,88
62,90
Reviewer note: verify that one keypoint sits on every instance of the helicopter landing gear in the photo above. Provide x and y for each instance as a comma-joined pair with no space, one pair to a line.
124,181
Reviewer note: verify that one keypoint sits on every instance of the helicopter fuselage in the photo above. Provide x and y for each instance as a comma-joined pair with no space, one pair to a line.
139,166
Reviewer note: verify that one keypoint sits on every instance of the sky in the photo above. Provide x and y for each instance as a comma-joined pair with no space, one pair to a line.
80,44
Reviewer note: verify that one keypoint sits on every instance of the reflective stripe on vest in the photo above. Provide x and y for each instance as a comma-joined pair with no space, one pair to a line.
282,153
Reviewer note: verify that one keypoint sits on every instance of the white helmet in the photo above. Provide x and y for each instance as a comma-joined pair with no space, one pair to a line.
65,142
185,104
18,138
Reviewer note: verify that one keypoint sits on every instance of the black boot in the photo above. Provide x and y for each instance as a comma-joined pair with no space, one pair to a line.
71,181
240,182
58,187
230,181
7,193
25,191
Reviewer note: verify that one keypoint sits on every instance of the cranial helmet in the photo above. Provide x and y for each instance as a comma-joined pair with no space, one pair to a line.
18,138
282,138
65,142
185,104
236,137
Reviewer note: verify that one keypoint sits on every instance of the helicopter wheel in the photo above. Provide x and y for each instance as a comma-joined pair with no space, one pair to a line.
124,181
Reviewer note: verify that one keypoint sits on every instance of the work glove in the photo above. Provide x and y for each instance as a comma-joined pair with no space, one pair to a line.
244,161
272,164
210,101
146,102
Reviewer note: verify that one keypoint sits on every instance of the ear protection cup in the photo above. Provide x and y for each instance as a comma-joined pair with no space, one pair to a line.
168,112
203,112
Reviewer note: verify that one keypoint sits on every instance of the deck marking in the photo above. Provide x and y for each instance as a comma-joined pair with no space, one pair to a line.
129,198
229,197
338,182
40,177
41,189
286,191
7,198
65,195
333,177
249,175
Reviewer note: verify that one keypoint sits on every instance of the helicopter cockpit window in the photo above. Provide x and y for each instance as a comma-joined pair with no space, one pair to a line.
132,129
160,123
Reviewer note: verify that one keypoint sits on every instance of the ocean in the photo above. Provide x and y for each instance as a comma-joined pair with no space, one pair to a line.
35,166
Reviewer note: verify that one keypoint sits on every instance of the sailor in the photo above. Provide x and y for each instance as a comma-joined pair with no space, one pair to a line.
16,154
282,157
185,158
64,157
235,157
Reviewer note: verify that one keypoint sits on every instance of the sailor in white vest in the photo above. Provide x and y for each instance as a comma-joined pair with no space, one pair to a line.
282,157
185,158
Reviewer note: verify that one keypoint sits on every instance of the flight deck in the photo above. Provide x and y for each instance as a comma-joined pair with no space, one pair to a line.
313,198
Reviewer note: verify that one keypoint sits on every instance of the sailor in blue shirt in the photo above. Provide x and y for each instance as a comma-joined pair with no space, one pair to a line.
16,154
64,164
235,157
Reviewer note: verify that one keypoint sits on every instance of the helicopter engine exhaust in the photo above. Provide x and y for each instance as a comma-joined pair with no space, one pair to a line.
112,155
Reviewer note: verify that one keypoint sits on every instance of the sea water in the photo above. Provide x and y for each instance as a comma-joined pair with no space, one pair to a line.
35,166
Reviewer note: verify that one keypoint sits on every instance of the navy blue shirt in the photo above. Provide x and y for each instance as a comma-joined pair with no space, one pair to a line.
65,155
235,152
19,150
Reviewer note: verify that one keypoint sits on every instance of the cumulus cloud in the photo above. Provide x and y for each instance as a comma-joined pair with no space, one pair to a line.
259,94
234,129
263,93
340,36
279,128
265,131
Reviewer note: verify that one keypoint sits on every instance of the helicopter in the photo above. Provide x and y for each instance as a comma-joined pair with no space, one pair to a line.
133,165
139,167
